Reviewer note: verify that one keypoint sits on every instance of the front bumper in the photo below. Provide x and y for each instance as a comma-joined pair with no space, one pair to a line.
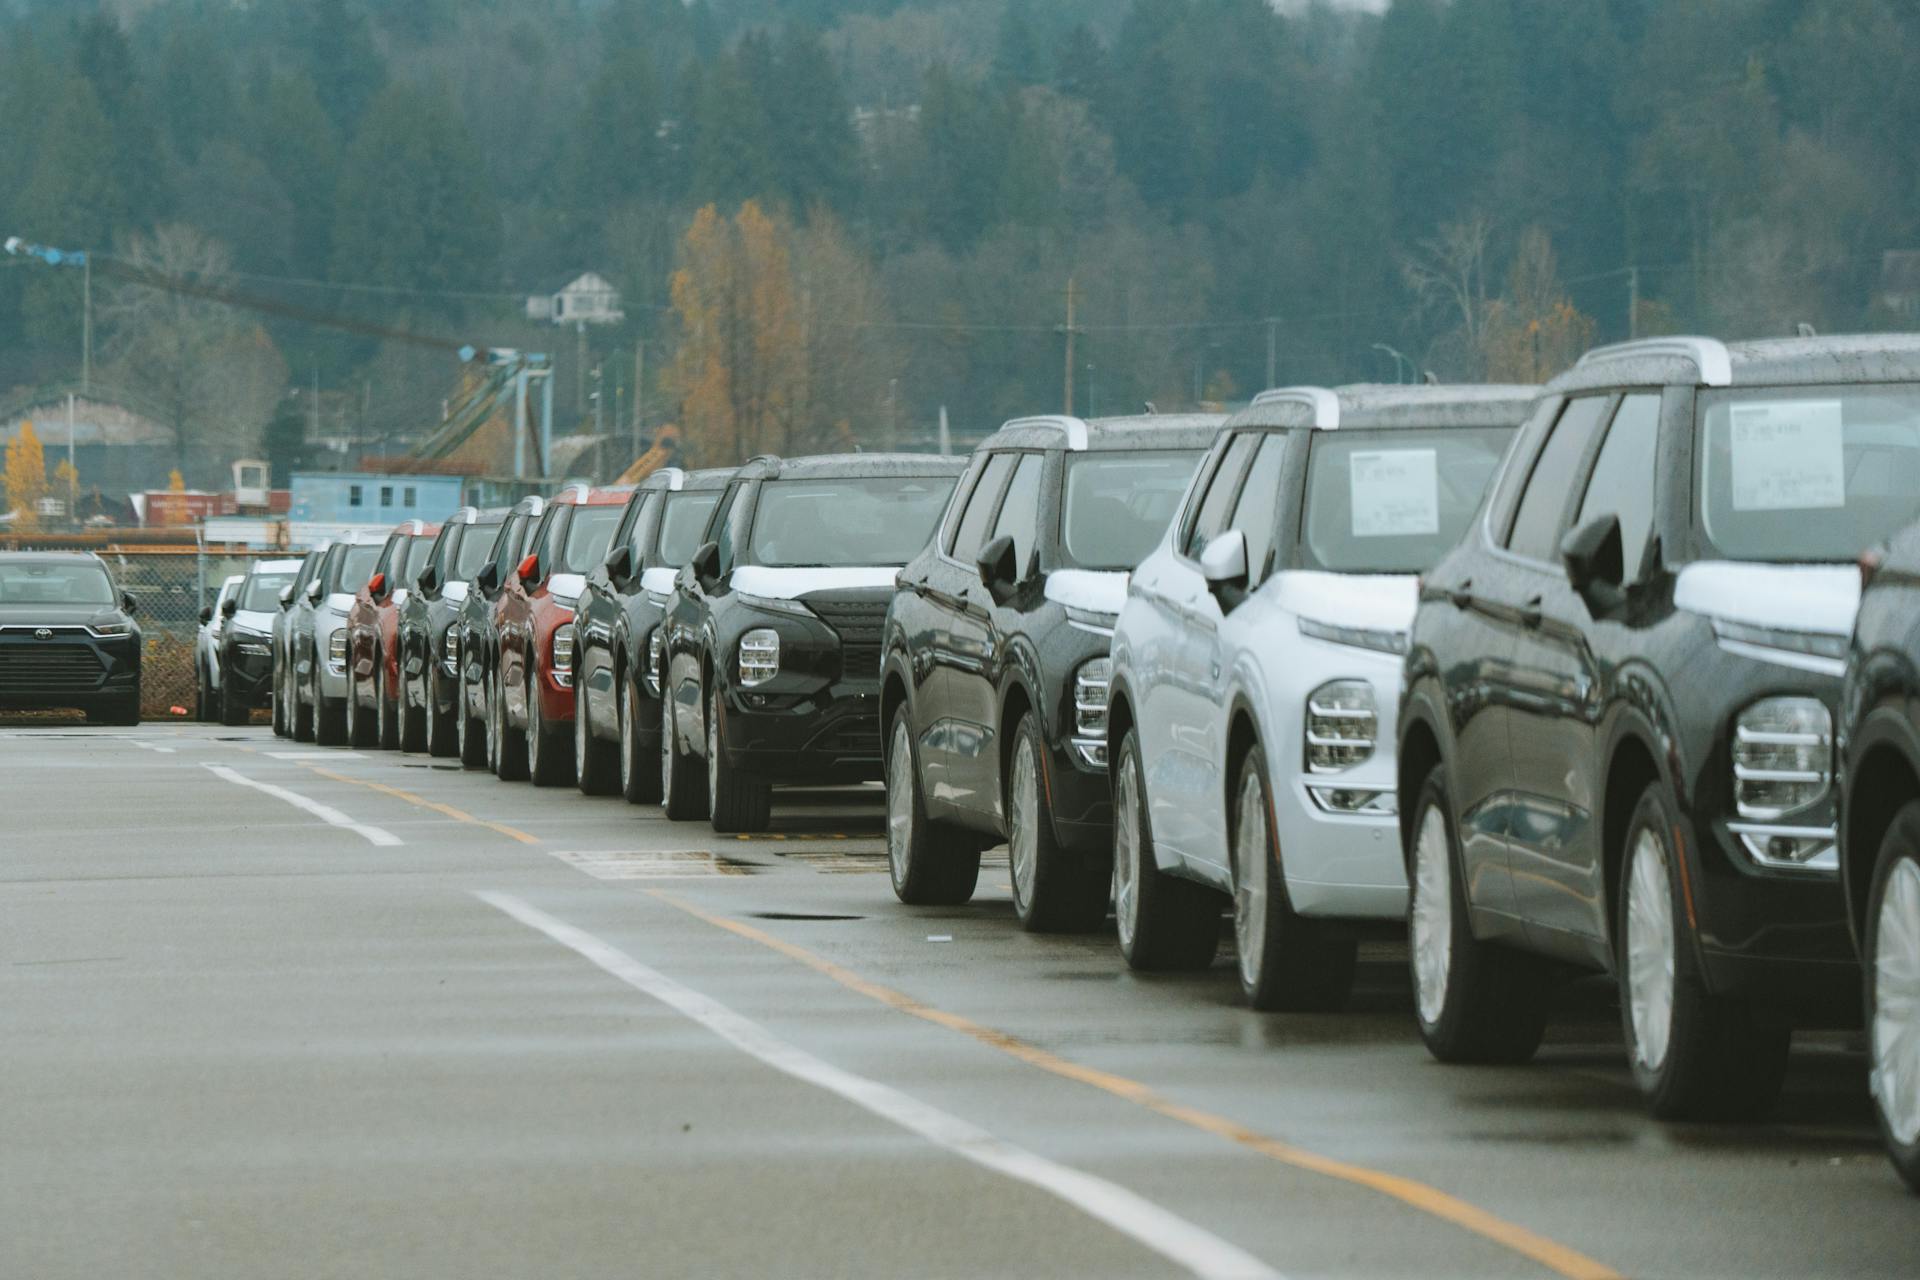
72,668
250,675
832,735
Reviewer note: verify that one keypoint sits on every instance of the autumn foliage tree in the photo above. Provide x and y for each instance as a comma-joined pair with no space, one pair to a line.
26,478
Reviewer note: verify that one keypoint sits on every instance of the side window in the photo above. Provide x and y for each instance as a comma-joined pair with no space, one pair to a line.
1020,509
962,493
1622,479
1257,513
510,534
632,533
1211,519
726,525
1537,526
552,534
388,563
980,508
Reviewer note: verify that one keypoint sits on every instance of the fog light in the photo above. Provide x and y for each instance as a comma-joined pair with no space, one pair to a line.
1351,800
759,656
450,658
1341,726
337,651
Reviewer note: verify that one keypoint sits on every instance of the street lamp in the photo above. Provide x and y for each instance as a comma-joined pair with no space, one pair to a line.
1398,360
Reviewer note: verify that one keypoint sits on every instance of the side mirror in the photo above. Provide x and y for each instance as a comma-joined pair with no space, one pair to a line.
488,579
206,614
1224,565
620,563
377,585
998,572
314,592
706,565
230,606
428,580
286,596
128,603
1596,565
528,570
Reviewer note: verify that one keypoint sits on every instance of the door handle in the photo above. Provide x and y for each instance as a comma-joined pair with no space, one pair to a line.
1530,612
1461,597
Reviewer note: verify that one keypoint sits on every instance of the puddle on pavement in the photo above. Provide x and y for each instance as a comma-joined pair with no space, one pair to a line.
652,864
800,915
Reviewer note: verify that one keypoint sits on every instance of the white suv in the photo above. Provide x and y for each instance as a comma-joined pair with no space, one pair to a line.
1256,676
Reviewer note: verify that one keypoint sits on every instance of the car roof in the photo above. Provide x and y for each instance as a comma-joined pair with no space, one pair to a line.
52,557
1136,431
586,495
361,538
233,579
276,566
1707,362
416,527
675,480
531,505
1375,405
835,466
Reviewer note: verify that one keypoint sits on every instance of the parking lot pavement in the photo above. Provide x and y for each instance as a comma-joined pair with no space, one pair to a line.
273,1009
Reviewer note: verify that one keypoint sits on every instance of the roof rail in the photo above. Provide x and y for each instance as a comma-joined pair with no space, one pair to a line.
1324,403
1075,429
675,477
1708,356
772,458
465,515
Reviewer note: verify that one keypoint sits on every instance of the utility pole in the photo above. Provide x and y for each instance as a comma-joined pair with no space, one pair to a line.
1633,303
1070,331
86,325
580,372
639,393
1273,351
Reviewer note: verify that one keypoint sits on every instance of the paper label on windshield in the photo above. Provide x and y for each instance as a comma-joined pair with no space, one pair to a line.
1396,493
1787,456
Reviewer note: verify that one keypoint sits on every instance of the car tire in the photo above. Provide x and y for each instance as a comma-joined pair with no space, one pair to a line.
470,731
1054,890
121,713
1696,1055
639,768
440,728
386,709
202,695
596,764
1164,923
278,702
1891,948
549,746
683,789
932,865
362,732
1474,1001
414,720
329,714
234,711
302,711
509,748
1286,961
738,802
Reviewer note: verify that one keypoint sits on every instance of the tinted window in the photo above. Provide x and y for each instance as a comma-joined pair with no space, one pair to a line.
980,508
354,567
1807,473
589,535
1225,484
44,582
681,525
1020,509
1622,479
261,594
1394,500
1116,504
639,510
546,539
507,551
723,526
866,521
1257,512
471,551
1536,528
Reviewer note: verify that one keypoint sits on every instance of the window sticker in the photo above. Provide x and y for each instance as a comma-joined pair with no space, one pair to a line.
1787,456
1396,493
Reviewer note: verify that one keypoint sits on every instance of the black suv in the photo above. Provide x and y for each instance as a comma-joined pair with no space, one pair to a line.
429,648
67,638
1880,832
994,685
616,712
771,659
472,629
1616,736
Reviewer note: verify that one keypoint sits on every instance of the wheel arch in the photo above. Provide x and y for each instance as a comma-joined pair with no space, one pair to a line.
1882,780
1418,752
1633,763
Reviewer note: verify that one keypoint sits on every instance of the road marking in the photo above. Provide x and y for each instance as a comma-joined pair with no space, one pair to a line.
458,815
1172,1237
326,813
647,864
148,746
312,755
1550,1254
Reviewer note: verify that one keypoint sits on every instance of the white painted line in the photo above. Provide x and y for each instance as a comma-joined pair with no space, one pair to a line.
313,755
326,813
148,746
1191,1247
644,864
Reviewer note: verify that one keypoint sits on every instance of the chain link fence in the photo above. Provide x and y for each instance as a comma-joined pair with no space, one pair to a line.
172,586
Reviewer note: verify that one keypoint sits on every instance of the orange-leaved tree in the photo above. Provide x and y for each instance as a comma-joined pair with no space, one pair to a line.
26,478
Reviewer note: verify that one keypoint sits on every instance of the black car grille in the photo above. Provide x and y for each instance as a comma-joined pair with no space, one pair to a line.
859,624
48,668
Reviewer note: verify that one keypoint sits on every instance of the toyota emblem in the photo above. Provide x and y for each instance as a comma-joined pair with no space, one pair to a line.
43,633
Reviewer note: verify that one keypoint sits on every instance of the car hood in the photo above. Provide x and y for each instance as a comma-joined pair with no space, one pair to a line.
253,620
1783,597
791,584
1374,601
659,580
1095,590
567,586
52,615
454,591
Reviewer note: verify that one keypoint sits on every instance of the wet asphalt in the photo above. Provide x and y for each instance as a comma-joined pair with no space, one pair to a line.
251,1032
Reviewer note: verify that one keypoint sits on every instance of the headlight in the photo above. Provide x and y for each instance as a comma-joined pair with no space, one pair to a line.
1783,765
563,655
564,601
1803,650
654,645
1394,642
771,605
337,650
759,656
450,653
1341,726
252,649
658,599
112,628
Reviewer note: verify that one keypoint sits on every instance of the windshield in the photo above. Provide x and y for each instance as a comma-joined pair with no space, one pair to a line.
261,591
355,566
1806,473
1393,501
1118,504
29,583
475,541
589,534
830,523
682,524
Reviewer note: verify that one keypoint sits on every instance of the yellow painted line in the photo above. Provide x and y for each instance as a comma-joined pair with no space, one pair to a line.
1550,1254
458,815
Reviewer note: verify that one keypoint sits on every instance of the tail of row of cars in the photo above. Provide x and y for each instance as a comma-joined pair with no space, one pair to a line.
1563,681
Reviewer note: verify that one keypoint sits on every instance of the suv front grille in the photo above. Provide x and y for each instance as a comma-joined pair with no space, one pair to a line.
859,624
48,668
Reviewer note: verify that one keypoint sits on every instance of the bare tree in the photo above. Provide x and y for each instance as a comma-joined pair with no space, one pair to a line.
1449,271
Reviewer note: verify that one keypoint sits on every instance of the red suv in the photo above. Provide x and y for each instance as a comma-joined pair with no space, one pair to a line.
532,708
373,673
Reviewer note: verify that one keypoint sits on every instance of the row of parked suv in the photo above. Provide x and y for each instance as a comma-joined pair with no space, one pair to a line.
1566,680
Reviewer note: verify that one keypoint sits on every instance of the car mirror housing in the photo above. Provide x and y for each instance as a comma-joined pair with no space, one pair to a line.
528,570
286,596
1224,565
999,572
129,603
314,592
488,579
620,563
229,607
706,565
1595,563
429,579
206,614
377,585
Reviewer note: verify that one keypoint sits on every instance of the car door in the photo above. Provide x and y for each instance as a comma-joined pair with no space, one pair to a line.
600,615
981,628
1174,715
949,737
687,624
1554,846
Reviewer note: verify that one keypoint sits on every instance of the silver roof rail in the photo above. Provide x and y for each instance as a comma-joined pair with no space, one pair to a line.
676,478
1324,403
1075,429
1707,355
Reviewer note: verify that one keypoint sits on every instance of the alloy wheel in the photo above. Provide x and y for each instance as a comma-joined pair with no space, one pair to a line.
1431,926
629,731
1251,866
1126,852
1023,817
667,749
713,745
1896,1003
1651,951
580,736
899,801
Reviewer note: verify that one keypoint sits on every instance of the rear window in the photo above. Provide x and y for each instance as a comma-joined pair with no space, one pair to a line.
1394,500
1118,504
832,523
